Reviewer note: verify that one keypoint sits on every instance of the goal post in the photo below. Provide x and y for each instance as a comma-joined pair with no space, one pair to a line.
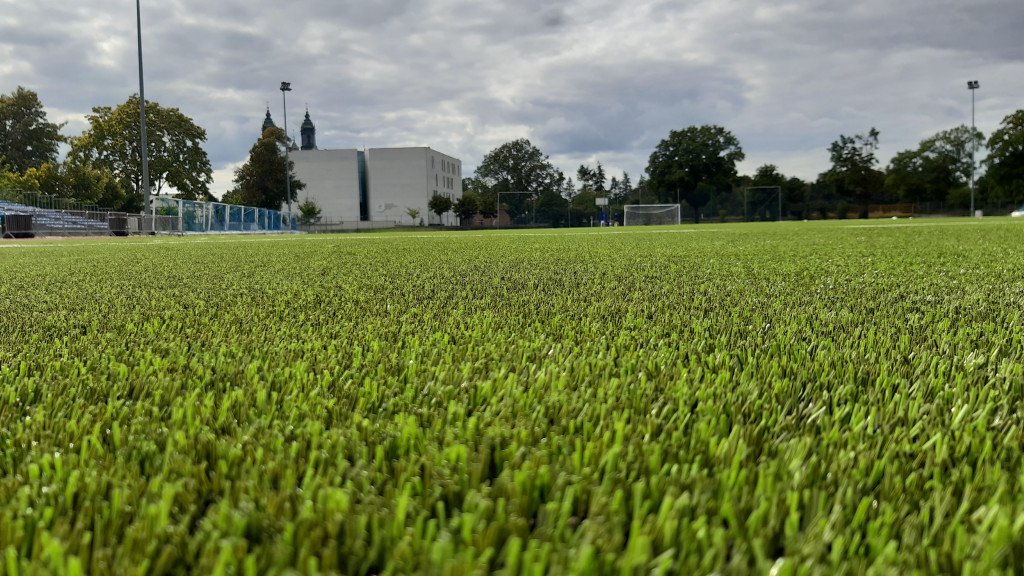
650,214
775,193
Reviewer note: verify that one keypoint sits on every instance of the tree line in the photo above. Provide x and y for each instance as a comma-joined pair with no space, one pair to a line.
696,167
693,166
103,165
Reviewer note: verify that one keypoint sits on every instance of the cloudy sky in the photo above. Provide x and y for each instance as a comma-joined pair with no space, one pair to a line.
584,80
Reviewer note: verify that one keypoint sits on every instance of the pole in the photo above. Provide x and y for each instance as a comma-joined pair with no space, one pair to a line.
285,88
143,149
780,204
972,85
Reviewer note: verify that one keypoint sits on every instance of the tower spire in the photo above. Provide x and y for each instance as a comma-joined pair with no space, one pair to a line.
268,122
308,132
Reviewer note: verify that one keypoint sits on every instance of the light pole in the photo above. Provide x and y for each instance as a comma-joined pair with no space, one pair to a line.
143,152
972,85
285,88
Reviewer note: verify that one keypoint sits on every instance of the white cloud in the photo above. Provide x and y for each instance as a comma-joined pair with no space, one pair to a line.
585,80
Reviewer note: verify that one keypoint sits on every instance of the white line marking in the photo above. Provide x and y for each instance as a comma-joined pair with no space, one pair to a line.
326,237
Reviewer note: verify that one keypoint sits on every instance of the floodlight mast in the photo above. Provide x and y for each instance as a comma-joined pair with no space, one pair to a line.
285,88
143,152
972,85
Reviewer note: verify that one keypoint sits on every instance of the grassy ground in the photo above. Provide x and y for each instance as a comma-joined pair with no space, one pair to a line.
796,398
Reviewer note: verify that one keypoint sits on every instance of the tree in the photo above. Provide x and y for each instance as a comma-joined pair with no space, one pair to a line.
584,206
939,165
27,139
691,157
439,204
261,180
619,190
309,212
467,206
591,178
853,175
487,198
519,166
764,203
413,213
74,181
177,159
1005,176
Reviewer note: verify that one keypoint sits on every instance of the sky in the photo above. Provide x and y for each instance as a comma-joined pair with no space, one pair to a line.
586,81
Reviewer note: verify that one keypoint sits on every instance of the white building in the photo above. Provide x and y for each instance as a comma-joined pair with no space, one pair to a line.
378,185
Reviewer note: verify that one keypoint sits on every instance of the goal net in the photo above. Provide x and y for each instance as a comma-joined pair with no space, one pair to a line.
650,214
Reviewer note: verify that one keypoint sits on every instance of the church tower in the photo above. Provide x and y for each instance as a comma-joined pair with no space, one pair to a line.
268,122
308,133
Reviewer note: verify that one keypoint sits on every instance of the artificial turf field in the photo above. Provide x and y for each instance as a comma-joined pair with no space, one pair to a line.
793,398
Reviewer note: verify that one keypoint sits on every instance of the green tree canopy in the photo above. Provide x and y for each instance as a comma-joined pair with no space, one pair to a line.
620,190
261,180
439,204
177,159
80,182
938,166
519,166
27,139
591,178
468,205
691,157
487,198
1005,162
853,174
309,212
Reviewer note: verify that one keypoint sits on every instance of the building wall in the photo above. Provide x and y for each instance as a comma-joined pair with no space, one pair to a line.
396,179
403,178
332,181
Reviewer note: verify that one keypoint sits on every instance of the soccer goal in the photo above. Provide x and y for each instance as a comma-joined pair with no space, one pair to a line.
650,214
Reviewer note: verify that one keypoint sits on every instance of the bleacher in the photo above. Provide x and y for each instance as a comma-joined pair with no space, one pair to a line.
58,221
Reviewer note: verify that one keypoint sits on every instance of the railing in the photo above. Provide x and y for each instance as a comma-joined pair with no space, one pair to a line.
53,216
174,215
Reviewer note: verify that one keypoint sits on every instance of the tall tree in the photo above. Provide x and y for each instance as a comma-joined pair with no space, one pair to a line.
939,165
487,198
592,179
439,204
691,157
853,174
261,180
519,166
468,205
177,159
1005,162
27,139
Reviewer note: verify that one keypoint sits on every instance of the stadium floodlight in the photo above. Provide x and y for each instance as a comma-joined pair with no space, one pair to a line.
285,88
143,148
972,85
650,214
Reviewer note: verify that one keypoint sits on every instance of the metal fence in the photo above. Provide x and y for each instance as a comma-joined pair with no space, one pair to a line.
28,214
174,215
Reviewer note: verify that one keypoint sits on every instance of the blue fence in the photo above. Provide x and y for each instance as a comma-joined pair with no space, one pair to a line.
183,216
